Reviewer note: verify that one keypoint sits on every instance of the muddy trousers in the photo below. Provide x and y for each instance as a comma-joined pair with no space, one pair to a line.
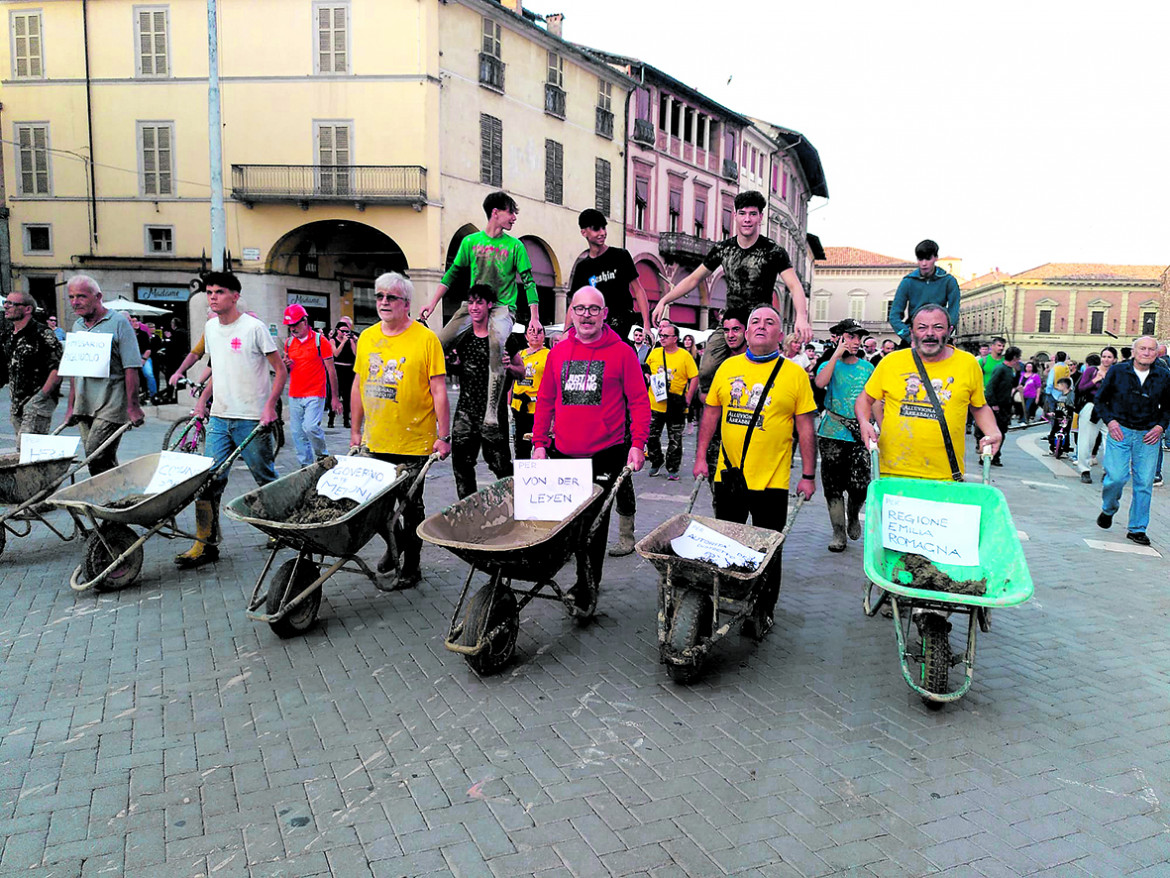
674,434
844,470
522,424
500,322
607,463
768,508
467,439
94,433
405,533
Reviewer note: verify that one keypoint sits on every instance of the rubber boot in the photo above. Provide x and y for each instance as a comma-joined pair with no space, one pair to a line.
206,532
854,523
625,541
837,519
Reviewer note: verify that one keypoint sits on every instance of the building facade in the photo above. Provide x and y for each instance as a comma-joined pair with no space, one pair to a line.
109,173
1075,307
856,283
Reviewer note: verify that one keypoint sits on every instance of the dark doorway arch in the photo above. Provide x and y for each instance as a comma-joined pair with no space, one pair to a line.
546,274
457,292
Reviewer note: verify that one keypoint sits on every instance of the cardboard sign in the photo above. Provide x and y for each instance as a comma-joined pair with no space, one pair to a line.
358,478
945,533
658,386
87,355
551,490
174,468
701,543
34,447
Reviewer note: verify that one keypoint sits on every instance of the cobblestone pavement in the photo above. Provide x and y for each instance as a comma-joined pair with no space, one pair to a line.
157,731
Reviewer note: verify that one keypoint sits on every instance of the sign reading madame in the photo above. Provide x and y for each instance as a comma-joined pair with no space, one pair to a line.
946,533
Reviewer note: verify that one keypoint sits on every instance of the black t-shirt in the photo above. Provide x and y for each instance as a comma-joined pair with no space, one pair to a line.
475,361
750,274
611,273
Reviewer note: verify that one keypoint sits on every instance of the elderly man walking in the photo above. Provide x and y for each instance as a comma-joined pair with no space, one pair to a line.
674,381
100,406
398,408
593,389
1133,401
29,356
757,398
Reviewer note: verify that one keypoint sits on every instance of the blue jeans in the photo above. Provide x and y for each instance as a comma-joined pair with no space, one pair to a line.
148,373
224,435
305,422
1129,457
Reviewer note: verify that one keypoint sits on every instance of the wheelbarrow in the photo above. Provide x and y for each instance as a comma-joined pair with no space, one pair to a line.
115,502
926,666
292,602
482,530
699,602
26,486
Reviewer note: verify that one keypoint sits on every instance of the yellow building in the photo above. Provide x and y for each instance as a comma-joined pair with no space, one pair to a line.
359,136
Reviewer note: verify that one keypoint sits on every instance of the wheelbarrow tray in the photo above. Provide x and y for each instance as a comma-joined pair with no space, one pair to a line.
1002,557
482,530
96,493
267,506
20,482
699,575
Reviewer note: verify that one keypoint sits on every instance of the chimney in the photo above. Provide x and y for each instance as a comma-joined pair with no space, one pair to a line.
554,23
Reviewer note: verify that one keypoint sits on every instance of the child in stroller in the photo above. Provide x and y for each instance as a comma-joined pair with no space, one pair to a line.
1060,434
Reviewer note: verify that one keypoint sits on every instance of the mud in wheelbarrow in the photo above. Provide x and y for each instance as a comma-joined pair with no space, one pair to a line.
292,601
482,530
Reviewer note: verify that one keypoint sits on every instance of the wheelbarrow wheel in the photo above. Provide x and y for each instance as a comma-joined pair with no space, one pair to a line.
120,537
936,656
3,538
495,603
303,617
690,624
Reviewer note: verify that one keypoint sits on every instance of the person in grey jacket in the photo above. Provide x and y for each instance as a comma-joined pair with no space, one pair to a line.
926,284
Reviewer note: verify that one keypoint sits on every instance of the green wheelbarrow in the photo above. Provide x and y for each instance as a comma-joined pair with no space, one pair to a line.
926,666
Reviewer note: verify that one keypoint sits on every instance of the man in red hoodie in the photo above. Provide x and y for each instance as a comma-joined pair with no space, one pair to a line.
592,388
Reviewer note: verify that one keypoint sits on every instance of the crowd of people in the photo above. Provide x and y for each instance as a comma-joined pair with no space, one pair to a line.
617,378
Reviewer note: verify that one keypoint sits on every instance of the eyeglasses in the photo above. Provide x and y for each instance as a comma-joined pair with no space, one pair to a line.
591,310
8,303
386,297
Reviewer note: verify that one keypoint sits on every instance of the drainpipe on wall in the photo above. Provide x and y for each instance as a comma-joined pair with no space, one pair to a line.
5,240
215,143
93,218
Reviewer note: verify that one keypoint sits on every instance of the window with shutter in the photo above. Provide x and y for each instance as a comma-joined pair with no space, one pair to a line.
491,37
152,26
491,150
1097,322
156,152
857,308
334,157
554,172
27,57
603,176
32,145
820,308
332,38
700,217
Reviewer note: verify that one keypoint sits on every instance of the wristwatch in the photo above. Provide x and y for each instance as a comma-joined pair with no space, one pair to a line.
446,438
811,478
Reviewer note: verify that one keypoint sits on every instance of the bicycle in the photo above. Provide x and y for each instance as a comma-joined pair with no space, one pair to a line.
192,431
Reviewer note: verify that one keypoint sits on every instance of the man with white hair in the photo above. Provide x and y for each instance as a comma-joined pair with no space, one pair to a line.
99,406
29,356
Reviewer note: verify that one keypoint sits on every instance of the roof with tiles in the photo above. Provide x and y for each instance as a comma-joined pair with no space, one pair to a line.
983,280
854,256
1091,271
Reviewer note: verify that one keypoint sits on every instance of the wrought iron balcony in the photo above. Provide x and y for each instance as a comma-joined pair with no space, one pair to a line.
643,132
605,123
680,248
730,169
330,184
491,71
554,100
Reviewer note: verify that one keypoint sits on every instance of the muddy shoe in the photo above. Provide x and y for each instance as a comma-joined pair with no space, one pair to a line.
387,564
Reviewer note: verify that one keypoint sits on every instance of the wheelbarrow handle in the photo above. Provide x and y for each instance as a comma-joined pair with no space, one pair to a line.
695,493
874,473
985,458
792,513
237,451
415,486
625,473
114,437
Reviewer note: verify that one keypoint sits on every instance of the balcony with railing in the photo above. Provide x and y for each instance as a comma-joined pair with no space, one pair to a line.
643,132
330,184
554,100
491,71
604,123
679,248
730,169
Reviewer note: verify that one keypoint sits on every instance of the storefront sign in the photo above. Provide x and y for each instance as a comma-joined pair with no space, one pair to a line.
161,294
309,300
251,254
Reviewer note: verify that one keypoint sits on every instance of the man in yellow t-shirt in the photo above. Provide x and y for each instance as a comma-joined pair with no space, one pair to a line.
736,390
527,368
911,442
398,406
674,380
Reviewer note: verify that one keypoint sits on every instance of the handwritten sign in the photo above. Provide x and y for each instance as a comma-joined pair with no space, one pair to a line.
87,355
175,468
34,447
943,532
358,478
551,490
658,386
701,543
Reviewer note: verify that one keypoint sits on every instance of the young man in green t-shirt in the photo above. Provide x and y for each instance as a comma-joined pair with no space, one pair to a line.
494,258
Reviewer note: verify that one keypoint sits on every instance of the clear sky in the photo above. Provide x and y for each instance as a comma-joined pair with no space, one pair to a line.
1013,133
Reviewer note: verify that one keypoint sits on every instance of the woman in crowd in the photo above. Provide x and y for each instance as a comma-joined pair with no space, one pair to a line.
1087,421
1030,382
344,355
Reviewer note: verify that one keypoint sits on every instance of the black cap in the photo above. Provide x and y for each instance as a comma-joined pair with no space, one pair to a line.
849,325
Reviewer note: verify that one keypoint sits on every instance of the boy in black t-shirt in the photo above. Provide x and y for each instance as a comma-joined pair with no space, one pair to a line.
751,263
610,270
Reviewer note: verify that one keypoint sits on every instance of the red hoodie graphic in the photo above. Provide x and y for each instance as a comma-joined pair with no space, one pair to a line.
587,390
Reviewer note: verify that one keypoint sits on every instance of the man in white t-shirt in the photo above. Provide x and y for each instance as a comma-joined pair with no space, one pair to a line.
242,394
